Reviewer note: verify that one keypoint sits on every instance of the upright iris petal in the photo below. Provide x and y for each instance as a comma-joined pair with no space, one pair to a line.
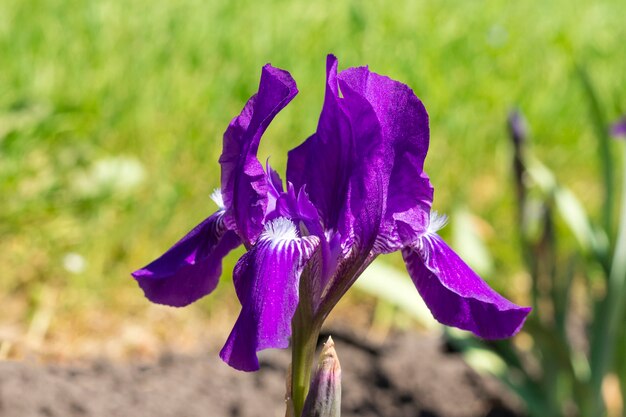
365,162
324,162
267,280
405,137
340,165
244,183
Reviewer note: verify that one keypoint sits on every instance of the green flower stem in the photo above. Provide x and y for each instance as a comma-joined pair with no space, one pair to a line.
304,340
305,330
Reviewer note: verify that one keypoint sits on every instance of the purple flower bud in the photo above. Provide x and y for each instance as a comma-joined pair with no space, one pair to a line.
618,129
517,127
324,399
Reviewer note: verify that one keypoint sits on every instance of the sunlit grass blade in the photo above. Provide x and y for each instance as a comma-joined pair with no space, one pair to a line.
394,287
469,242
605,159
571,210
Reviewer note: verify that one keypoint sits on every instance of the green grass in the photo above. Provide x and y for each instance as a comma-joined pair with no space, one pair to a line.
157,82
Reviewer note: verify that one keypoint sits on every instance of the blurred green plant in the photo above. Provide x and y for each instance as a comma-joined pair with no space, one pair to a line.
575,338
578,293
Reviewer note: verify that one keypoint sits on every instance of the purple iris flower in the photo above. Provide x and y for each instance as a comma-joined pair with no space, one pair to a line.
355,189
618,129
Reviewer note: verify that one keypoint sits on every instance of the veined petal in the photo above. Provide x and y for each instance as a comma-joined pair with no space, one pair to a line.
267,280
244,183
456,295
274,180
363,168
340,165
192,267
324,162
403,122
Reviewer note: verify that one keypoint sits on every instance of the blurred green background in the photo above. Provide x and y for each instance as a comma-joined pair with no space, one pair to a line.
111,116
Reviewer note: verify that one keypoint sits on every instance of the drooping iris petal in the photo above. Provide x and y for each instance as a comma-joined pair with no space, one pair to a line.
456,295
403,122
192,267
267,280
244,183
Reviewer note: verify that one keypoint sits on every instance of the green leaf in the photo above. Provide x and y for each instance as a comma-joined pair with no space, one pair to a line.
605,160
571,210
469,243
392,286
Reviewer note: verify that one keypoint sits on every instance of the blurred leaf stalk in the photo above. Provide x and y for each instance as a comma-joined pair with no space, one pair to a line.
577,329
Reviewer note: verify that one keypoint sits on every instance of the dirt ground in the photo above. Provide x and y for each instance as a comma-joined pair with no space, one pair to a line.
409,375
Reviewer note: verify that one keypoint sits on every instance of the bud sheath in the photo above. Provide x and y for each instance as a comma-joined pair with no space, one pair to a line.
324,398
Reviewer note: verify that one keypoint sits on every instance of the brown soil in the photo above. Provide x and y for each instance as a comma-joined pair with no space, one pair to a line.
412,375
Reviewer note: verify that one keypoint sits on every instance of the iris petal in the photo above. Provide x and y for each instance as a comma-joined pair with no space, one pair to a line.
325,160
403,122
192,267
300,209
244,183
363,168
339,165
267,280
456,295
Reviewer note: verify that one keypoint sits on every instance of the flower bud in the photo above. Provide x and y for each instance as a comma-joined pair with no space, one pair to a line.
324,398
517,127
